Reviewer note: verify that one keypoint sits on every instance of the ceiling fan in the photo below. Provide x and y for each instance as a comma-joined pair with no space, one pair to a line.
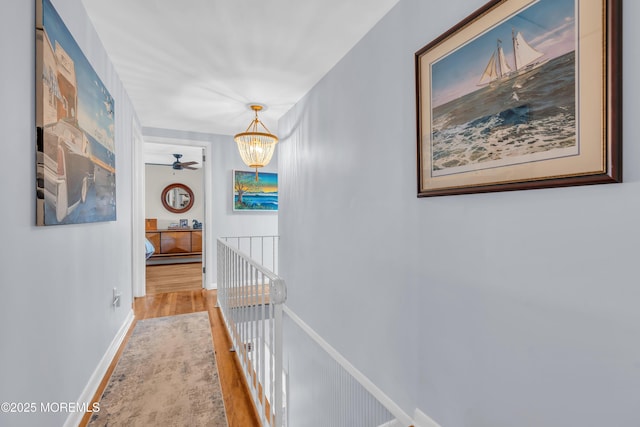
178,165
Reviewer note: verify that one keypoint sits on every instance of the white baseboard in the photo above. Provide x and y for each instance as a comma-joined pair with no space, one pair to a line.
423,420
74,418
211,286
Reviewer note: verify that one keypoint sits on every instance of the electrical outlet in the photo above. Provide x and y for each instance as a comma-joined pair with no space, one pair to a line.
116,297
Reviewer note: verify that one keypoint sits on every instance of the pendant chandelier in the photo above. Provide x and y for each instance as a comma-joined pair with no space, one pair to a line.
256,148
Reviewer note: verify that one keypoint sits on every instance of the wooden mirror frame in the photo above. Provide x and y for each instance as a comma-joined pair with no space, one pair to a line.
170,208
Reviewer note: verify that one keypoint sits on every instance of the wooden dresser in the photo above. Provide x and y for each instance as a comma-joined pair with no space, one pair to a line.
176,242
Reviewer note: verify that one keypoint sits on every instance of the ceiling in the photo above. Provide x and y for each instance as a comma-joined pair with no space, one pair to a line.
196,65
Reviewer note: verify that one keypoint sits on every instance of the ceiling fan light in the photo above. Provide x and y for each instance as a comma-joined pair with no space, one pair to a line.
178,165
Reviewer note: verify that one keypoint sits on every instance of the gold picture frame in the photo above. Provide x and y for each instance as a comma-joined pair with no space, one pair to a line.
521,94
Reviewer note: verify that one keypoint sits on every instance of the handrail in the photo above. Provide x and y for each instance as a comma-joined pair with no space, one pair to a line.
250,298
266,255
271,275
367,384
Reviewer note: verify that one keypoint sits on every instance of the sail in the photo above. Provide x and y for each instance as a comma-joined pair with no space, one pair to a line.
496,68
504,67
524,54
490,72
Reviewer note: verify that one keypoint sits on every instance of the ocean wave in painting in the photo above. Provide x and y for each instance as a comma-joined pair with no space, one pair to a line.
523,118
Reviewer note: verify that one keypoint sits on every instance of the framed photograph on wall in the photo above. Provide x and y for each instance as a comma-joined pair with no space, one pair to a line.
521,94
253,192
75,166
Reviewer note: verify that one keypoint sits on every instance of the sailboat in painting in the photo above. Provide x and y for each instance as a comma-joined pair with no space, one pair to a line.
524,55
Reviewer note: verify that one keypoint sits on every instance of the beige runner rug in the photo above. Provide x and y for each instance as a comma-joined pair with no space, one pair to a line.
166,376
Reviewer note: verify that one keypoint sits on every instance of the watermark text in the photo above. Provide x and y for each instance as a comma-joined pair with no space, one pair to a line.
48,407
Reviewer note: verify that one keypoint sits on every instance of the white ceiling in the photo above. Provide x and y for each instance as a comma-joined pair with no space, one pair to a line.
196,64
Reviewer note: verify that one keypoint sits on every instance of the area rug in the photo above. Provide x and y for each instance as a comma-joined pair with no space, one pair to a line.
166,376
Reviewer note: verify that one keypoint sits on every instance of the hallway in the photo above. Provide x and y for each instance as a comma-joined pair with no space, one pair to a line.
238,405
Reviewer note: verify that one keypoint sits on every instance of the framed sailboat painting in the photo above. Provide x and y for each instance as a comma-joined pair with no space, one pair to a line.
521,94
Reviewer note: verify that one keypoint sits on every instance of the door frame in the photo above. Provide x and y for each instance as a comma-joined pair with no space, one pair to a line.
138,210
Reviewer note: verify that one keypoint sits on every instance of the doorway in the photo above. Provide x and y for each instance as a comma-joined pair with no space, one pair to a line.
174,217
183,265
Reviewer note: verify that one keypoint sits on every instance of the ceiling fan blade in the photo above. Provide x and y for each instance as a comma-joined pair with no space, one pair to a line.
188,163
189,167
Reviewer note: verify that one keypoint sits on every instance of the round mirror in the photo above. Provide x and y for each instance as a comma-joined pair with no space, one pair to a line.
177,198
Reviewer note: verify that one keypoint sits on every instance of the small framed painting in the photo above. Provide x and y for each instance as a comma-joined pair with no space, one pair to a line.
253,192
521,94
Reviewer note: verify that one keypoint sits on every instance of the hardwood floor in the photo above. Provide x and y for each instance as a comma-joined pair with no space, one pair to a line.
237,401
173,277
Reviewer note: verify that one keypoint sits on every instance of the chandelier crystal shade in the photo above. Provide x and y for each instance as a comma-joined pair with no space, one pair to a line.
256,148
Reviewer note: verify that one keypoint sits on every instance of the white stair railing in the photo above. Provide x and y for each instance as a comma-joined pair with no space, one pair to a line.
262,249
250,298
349,398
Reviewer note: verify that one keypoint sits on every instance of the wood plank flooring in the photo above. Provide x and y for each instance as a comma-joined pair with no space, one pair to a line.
164,278
238,404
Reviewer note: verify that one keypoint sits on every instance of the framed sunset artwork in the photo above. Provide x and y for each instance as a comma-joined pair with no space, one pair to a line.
253,192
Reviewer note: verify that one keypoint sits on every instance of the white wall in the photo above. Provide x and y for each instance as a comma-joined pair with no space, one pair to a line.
157,177
56,317
224,158
503,309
